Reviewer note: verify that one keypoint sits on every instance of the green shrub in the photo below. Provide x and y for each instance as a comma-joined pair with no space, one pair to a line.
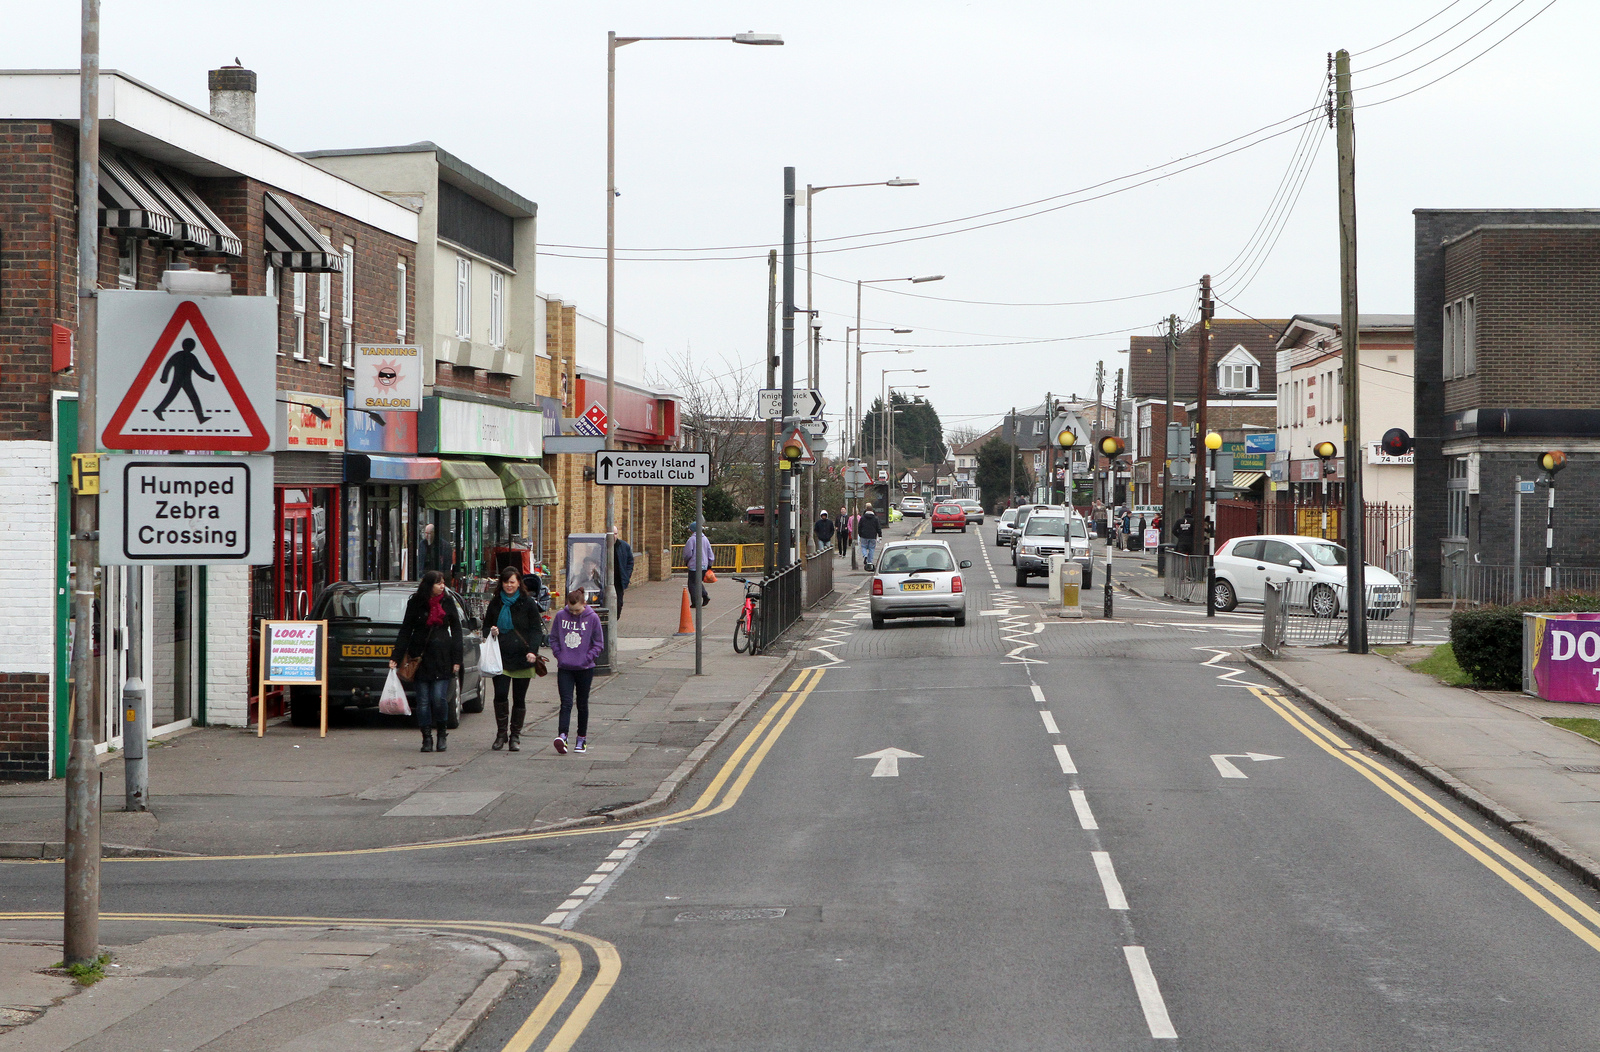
1487,643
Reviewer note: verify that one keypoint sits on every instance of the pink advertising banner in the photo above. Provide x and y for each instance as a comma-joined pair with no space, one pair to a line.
1565,652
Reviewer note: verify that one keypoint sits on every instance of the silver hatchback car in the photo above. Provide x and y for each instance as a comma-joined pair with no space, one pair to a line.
918,578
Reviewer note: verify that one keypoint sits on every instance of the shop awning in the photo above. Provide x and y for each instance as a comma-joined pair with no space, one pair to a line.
464,484
127,207
293,242
364,467
193,230
1247,479
227,242
526,484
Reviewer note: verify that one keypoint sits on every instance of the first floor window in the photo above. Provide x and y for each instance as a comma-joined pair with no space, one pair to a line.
463,298
400,301
300,315
497,309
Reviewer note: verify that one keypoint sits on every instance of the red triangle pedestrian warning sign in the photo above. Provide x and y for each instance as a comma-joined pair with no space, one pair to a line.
796,440
186,396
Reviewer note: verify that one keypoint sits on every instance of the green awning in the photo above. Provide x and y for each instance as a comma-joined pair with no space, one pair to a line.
464,484
526,484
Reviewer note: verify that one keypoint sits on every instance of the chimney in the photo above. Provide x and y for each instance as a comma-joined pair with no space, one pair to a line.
233,97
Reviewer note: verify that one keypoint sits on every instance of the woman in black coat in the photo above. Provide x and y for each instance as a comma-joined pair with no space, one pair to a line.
515,621
431,631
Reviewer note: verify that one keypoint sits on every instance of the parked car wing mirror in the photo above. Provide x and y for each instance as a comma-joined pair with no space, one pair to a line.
1299,567
966,564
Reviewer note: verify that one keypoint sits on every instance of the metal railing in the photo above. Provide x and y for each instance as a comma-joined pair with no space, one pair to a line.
819,576
1488,585
1313,614
1185,578
781,598
738,558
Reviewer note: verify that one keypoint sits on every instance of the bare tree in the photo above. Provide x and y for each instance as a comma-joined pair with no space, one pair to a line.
961,435
716,409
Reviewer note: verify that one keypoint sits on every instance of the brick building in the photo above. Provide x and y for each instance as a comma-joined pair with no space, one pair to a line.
1507,363
1241,399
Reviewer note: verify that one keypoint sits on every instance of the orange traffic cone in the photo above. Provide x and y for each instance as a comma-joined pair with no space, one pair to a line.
711,577
686,615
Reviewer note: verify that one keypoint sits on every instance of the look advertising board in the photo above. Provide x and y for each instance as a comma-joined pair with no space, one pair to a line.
185,510
293,653
1563,656
388,378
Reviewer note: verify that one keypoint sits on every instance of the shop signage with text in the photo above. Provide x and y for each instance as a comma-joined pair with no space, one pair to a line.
185,510
388,378
453,425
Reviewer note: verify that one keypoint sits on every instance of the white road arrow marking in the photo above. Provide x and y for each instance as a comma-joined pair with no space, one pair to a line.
1228,770
889,761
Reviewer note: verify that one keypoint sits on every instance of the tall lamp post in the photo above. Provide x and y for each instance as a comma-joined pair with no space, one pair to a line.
612,43
890,415
857,330
884,424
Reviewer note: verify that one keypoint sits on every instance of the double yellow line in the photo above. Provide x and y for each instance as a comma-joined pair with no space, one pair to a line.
566,944
1564,907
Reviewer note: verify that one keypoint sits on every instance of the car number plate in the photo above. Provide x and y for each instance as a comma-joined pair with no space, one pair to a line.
367,650
917,586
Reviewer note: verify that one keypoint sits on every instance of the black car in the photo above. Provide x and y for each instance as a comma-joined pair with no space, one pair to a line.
363,623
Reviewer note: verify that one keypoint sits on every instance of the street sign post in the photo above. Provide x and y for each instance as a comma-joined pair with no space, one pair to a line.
808,405
185,510
186,373
629,467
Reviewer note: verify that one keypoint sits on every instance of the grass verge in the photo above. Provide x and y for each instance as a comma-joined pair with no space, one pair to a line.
1587,727
1441,665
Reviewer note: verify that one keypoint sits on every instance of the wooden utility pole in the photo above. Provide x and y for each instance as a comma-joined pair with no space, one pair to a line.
1203,357
1166,457
1011,422
1350,338
1116,415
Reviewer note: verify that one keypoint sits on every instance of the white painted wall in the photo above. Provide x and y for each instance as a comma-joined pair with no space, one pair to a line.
591,337
28,571
227,641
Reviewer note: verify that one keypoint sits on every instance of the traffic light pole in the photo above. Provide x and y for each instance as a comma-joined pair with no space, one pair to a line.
1355,541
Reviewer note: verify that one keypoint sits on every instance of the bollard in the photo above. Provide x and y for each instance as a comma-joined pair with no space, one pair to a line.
1107,612
135,729
1071,577
1054,578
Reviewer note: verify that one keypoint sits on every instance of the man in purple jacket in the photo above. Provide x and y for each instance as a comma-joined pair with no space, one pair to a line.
576,640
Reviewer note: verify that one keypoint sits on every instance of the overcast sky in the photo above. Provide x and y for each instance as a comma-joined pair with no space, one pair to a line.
989,105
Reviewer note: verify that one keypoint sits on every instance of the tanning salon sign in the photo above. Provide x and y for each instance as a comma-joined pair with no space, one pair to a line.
388,378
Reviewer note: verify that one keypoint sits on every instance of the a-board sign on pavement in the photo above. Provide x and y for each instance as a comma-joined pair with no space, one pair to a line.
629,467
185,510
186,373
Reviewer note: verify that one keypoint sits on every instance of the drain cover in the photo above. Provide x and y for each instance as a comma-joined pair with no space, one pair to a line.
750,913
1583,768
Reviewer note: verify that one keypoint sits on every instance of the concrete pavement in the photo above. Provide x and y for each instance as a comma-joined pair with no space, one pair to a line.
225,791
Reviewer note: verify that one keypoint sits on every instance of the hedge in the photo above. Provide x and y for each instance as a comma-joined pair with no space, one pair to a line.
1488,642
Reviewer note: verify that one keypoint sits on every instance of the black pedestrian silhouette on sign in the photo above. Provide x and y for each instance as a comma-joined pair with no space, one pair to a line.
182,367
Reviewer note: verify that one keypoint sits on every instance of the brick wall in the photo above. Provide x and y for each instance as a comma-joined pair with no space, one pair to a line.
24,725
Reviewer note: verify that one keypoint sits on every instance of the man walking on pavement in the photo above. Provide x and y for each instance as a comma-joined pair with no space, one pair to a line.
696,561
869,531
823,531
623,570
842,532
1183,535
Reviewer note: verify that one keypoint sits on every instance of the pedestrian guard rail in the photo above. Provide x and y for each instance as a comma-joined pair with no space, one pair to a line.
737,558
1185,577
819,576
1315,613
781,597
1480,584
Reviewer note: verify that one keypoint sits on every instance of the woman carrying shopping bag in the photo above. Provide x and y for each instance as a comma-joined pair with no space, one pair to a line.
430,644
513,631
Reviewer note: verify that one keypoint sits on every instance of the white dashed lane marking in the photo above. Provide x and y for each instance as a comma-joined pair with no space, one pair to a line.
1080,803
1049,722
1065,759
1115,899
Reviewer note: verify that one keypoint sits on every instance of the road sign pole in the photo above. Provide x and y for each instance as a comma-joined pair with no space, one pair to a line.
80,942
1516,544
696,586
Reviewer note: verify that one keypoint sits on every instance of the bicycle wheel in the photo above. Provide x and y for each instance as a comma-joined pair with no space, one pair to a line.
741,637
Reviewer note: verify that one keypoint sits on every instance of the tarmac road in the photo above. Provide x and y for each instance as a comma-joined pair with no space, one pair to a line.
1061,864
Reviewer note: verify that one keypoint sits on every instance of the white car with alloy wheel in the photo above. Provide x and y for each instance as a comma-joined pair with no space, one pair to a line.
1245,565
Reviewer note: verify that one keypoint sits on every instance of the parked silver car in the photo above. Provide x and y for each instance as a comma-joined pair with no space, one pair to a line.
918,578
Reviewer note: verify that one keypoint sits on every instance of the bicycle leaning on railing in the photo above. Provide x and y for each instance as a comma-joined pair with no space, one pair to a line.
747,628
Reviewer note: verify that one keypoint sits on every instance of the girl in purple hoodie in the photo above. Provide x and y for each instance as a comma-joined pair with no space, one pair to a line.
576,640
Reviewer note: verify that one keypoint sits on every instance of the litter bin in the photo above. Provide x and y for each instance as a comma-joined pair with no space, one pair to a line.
602,664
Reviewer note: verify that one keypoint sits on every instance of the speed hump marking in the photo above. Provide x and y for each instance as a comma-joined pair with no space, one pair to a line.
177,402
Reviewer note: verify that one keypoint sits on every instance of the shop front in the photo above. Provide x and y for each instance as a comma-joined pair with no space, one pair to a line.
383,475
469,516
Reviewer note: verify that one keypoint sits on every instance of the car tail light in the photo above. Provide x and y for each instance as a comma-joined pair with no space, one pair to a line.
955,583
877,586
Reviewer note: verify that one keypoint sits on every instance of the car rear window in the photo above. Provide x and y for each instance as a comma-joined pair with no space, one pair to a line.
949,509
384,605
931,558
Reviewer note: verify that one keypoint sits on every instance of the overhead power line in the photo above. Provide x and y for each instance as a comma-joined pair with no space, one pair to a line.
1413,29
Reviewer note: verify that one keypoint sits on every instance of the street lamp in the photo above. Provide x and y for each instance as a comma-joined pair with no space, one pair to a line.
890,414
612,43
876,281
883,397
855,424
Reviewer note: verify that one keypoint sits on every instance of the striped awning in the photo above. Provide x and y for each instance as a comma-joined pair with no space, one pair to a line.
128,207
1247,479
198,224
294,243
